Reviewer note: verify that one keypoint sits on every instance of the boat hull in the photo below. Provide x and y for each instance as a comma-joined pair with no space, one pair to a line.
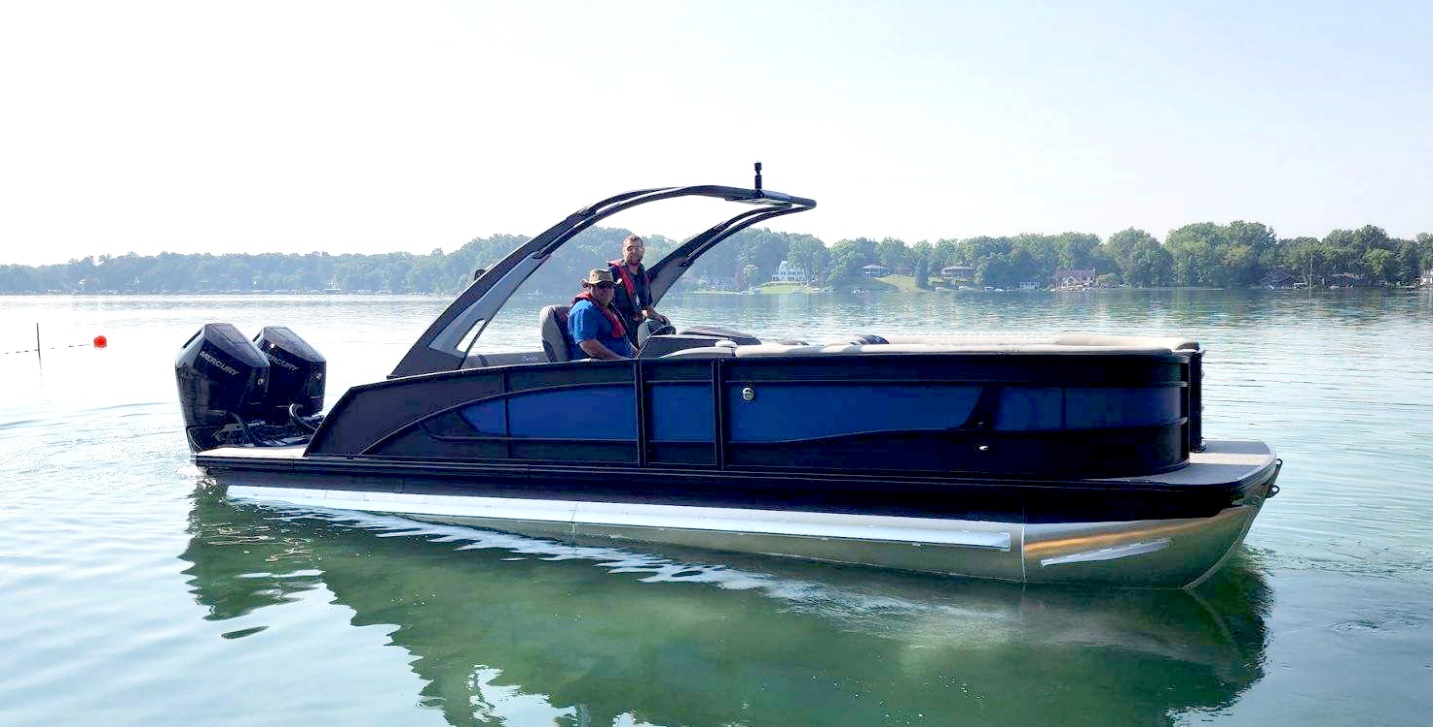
1025,540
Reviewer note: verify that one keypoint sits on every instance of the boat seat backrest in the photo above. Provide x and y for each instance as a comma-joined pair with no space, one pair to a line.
859,339
704,352
552,323
1095,339
1070,341
767,350
658,346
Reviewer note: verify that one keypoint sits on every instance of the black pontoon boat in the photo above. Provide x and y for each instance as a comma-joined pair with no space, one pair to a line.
1075,458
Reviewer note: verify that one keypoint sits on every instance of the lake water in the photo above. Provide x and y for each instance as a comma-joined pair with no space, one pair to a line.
132,594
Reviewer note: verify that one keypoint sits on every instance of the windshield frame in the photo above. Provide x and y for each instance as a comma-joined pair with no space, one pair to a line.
443,346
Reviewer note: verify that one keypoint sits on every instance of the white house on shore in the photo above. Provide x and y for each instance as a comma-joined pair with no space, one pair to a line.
875,271
1427,278
1073,278
790,272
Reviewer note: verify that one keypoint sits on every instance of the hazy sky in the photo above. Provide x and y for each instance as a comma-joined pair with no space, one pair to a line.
376,127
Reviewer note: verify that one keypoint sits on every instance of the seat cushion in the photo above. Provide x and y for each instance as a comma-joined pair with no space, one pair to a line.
552,323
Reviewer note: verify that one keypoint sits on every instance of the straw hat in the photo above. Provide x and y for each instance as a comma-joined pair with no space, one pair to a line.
598,276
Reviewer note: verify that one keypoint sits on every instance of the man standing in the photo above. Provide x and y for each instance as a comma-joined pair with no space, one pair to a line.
634,297
596,329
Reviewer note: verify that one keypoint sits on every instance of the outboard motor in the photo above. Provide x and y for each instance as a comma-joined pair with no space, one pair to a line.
296,376
222,381
265,392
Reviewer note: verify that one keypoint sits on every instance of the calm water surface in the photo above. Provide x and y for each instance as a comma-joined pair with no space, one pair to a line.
132,594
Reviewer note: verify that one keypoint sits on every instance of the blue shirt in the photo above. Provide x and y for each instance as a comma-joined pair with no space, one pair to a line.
586,322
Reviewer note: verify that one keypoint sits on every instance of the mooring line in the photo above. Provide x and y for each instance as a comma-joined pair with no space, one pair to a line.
51,348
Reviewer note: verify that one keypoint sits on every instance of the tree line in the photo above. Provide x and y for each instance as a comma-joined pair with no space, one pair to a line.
1239,254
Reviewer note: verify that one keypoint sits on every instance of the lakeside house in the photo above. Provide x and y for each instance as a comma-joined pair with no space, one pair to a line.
957,272
716,283
1278,279
1073,278
875,271
790,272
1427,277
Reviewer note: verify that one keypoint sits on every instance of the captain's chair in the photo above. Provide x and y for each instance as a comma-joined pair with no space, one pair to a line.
552,322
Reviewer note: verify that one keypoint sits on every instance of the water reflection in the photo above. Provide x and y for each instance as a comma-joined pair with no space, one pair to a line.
509,630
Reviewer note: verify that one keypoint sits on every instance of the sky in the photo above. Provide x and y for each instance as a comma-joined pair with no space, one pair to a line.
146,127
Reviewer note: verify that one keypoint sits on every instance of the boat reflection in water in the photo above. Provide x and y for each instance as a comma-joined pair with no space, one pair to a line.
511,630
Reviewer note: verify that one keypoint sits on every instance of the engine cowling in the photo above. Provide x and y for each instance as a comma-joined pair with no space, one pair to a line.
233,391
223,378
296,374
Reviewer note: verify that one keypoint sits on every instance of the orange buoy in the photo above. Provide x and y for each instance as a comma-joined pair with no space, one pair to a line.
101,341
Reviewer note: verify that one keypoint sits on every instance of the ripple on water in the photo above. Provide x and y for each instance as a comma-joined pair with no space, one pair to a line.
1389,622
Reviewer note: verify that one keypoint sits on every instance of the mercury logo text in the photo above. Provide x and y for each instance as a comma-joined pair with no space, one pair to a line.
216,363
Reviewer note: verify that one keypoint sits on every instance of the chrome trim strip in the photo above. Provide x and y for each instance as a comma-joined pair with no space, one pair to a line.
875,528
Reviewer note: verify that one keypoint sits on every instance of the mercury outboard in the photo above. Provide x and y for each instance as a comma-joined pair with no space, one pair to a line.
234,391
296,376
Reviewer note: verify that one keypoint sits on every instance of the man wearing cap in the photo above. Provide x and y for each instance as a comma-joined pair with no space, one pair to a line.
595,327
634,296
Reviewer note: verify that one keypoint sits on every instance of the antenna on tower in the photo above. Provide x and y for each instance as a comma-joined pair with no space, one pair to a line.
758,176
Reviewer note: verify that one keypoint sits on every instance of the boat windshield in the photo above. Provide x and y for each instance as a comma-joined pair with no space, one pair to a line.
548,268
555,283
